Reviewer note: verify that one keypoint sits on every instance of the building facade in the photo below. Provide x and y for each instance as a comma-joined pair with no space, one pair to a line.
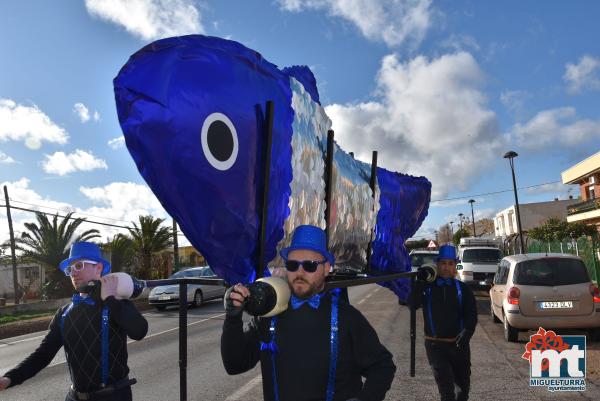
586,174
532,215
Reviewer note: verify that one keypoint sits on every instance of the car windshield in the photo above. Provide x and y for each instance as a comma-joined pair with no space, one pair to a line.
482,255
551,272
420,259
183,273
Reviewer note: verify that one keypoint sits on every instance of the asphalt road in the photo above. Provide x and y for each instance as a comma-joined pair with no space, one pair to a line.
153,361
498,372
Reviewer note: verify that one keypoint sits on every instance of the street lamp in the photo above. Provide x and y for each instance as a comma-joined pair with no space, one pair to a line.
471,201
451,231
510,155
460,216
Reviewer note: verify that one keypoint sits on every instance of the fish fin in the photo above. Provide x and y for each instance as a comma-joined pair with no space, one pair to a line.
304,75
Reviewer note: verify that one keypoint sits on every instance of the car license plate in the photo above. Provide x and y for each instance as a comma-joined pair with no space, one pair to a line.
556,305
164,297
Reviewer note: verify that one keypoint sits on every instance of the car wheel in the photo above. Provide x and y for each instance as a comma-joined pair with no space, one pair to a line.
197,298
510,333
493,315
160,307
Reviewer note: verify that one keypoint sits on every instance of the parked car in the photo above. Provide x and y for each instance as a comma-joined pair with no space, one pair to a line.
166,295
420,257
478,261
553,291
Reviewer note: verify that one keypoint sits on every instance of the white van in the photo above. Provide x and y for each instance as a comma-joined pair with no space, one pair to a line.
478,260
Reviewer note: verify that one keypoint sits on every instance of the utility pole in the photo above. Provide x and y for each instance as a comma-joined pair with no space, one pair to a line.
12,246
175,247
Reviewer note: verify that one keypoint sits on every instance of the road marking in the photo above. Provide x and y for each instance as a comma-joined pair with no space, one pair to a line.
241,394
22,341
156,334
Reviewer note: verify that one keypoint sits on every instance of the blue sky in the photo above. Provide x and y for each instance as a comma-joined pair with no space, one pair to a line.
441,89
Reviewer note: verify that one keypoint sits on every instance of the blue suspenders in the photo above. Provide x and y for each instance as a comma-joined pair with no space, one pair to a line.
428,306
103,336
272,347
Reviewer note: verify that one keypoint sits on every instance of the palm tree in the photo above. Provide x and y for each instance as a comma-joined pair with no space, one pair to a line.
48,243
148,239
121,252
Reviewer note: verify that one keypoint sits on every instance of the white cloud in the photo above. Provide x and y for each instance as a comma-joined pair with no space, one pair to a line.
393,22
82,112
28,124
117,203
514,101
431,120
61,163
149,19
117,143
6,159
555,126
582,76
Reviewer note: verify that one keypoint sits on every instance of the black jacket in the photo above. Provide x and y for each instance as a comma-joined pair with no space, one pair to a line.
446,313
80,336
302,361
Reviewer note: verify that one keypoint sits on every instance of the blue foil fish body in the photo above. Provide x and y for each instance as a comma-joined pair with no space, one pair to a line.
192,113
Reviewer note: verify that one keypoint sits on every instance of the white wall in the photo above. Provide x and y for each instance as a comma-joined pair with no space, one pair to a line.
532,215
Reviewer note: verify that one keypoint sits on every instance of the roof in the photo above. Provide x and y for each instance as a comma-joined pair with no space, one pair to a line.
582,169
532,256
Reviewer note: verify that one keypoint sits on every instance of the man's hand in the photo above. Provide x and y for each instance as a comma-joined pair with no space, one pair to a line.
109,287
234,299
462,341
4,383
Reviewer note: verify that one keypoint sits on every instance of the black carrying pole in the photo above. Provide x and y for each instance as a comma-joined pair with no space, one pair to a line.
265,196
12,246
175,247
183,341
372,184
413,329
328,183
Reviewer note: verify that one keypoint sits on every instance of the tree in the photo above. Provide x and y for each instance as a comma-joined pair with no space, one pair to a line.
121,252
460,233
48,243
148,239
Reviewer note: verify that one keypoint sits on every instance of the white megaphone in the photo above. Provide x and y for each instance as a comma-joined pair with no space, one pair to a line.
127,287
269,296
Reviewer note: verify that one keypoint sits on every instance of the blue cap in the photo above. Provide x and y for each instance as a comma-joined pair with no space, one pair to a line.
85,250
311,238
447,252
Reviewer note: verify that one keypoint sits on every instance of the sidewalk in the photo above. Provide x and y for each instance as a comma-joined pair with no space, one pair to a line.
495,376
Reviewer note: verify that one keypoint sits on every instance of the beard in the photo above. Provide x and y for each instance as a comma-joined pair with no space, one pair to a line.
307,291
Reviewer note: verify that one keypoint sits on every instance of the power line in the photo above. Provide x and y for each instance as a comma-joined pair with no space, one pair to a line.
62,210
85,221
493,193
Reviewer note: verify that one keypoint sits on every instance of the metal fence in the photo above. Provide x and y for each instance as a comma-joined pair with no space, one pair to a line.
585,247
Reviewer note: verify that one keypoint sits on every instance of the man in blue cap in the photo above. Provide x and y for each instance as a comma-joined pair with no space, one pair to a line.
93,330
319,348
450,315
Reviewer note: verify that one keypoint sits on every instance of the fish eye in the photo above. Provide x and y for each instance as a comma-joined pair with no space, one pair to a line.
219,141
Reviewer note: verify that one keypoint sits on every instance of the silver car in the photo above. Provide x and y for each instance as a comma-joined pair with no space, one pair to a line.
163,296
552,290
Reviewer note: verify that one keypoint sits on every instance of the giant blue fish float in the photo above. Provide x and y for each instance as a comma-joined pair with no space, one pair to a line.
192,110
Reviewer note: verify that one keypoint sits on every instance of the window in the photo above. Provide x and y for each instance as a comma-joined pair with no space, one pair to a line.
420,259
551,272
592,180
592,193
483,255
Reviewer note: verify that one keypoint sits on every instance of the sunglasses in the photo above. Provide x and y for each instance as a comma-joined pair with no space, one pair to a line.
79,266
309,266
